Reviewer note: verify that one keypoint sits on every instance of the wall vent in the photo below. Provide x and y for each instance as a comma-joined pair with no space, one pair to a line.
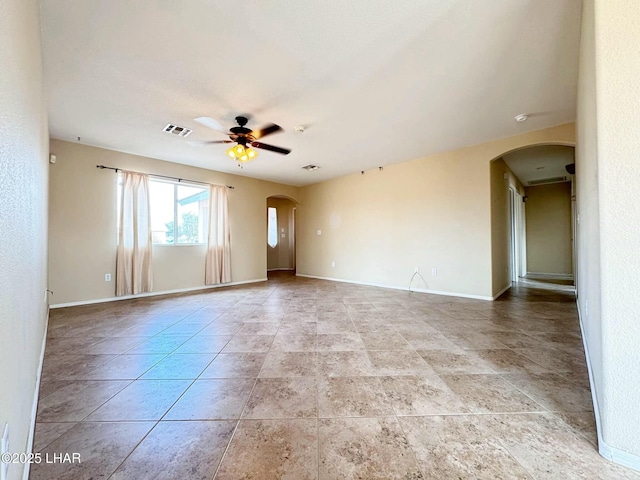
547,180
176,130
310,167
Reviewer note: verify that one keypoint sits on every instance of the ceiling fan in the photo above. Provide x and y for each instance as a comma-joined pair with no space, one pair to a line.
244,138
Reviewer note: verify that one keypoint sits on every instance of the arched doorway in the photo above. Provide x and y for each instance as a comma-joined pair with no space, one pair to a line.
533,216
281,235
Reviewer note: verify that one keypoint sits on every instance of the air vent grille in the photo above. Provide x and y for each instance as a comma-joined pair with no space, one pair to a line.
176,130
547,180
310,167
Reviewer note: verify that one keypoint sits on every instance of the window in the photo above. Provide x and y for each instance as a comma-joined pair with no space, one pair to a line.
272,227
179,212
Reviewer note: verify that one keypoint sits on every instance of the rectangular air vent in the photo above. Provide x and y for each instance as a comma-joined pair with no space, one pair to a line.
547,180
176,130
311,167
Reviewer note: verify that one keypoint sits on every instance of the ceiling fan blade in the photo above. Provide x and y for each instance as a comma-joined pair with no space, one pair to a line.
211,123
265,146
197,143
266,130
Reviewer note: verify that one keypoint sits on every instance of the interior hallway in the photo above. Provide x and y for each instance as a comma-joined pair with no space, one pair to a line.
301,378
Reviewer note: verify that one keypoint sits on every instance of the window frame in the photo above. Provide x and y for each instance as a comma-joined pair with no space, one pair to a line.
176,184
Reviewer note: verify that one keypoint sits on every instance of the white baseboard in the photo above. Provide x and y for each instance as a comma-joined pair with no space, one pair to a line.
554,276
610,453
153,294
280,269
502,291
395,287
36,395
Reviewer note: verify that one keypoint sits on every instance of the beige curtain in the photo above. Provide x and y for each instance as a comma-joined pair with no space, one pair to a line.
133,265
218,263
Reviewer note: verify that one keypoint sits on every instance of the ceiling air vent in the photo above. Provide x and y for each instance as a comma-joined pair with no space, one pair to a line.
310,167
547,180
176,130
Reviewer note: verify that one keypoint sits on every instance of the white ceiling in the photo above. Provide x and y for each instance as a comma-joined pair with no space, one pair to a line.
375,81
539,163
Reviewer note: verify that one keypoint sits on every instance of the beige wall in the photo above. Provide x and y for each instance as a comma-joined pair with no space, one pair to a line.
548,218
587,199
433,212
609,215
23,221
501,223
82,237
282,256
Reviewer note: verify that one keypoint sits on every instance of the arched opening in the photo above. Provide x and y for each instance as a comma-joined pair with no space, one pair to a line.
533,216
281,236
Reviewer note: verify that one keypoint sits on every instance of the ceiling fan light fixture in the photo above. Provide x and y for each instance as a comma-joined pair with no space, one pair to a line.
241,153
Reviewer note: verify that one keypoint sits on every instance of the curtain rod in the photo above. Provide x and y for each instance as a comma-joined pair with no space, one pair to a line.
103,167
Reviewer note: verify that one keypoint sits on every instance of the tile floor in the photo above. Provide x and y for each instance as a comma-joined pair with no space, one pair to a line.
303,379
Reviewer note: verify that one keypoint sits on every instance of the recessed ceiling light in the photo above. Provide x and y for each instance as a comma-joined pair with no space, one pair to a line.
299,128
522,117
311,167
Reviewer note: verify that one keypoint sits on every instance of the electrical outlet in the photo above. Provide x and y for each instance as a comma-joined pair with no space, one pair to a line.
319,232
434,272
107,277
333,264
4,448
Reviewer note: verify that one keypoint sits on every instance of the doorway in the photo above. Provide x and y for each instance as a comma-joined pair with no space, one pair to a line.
281,235
517,236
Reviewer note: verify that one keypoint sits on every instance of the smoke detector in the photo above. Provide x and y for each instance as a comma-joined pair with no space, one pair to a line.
310,167
176,130
299,128
521,118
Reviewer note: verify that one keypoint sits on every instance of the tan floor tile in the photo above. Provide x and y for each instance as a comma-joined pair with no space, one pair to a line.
339,342
290,364
248,343
444,362
102,447
202,445
352,397
179,366
46,433
344,364
490,393
76,400
350,357
295,342
553,391
204,344
549,449
283,398
272,450
455,447
371,448
422,395
140,400
124,367
400,362
212,399
235,365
